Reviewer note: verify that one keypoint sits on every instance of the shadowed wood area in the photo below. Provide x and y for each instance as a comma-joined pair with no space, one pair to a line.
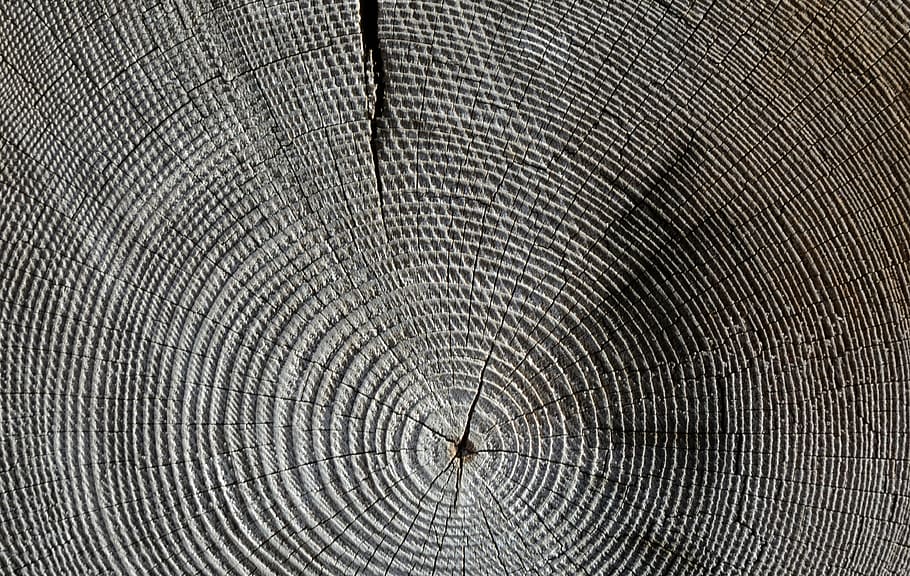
409,287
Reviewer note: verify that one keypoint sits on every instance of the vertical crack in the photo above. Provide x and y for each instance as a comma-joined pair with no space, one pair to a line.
465,447
369,30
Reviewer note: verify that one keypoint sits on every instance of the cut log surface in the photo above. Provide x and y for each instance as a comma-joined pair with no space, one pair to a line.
411,287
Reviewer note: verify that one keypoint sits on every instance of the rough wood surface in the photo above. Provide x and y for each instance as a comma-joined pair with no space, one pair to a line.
445,287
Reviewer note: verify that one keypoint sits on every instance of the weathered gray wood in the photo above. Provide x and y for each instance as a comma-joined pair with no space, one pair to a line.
554,287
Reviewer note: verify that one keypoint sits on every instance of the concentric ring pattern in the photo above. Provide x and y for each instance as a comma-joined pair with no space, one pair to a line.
550,287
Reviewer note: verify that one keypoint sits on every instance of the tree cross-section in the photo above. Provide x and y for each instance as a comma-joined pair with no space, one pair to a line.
406,287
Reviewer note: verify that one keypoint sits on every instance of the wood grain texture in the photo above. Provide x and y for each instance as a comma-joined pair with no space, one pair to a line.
417,287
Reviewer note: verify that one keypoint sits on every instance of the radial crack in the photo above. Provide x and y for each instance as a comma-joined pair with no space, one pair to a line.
369,29
465,447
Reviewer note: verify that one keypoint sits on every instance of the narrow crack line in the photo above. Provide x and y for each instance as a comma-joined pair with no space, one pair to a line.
433,521
504,314
458,481
510,520
463,443
544,459
445,528
550,530
207,511
367,395
325,486
329,235
385,533
416,514
395,515
375,72
452,509
494,540
499,270
353,520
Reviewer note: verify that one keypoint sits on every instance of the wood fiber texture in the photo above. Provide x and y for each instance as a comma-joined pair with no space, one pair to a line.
441,287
